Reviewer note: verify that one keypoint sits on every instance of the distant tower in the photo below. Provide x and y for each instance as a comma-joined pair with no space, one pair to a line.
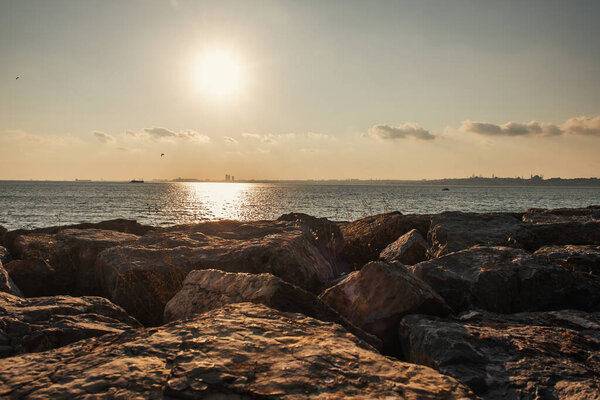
232,178
227,178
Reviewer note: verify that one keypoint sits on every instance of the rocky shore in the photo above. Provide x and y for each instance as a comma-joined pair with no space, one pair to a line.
450,306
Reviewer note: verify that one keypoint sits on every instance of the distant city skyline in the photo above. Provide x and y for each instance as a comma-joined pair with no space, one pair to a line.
289,90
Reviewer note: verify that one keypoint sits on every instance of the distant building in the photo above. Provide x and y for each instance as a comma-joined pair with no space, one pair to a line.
232,178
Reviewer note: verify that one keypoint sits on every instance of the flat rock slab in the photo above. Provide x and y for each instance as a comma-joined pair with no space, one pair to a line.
242,351
143,276
454,231
366,238
410,248
583,258
42,323
507,280
205,290
379,295
61,263
548,355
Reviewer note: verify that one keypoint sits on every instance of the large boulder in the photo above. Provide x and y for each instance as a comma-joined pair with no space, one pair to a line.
205,290
584,258
42,323
6,283
377,297
454,231
410,248
546,355
241,351
117,225
367,237
143,276
557,215
61,263
507,280
327,234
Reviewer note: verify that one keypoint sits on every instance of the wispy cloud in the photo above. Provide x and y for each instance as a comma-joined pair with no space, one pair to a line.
229,139
160,134
404,131
103,137
268,138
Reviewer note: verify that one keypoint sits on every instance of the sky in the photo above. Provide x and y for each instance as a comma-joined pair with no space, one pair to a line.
298,89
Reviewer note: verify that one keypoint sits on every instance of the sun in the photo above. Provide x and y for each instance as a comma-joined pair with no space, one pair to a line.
219,74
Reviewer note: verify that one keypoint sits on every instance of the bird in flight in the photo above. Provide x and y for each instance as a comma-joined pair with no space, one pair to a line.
162,154
17,77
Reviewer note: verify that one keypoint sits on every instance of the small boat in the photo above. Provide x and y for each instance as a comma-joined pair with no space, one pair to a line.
137,180
445,189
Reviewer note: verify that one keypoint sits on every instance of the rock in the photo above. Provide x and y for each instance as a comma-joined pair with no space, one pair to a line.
326,234
377,297
42,323
3,230
143,276
205,290
64,260
6,283
242,351
558,215
507,280
117,225
409,249
545,355
36,276
367,237
565,226
4,255
585,259
454,231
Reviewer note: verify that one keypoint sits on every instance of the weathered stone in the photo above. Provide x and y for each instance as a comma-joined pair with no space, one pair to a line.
379,295
242,351
584,258
409,249
6,283
507,280
4,255
143,276
549,355
367,237
61,263
205,290
117,225
42,323
326,233
565,226
454,231
558,215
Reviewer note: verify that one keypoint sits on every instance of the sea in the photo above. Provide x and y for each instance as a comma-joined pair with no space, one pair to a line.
30,204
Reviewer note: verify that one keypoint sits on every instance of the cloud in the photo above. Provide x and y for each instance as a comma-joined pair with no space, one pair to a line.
159,134
268,138
229,139
582,126
103,137
510,129
320,136
408,130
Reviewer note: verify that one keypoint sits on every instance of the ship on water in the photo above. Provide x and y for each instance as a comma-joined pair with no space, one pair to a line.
141,180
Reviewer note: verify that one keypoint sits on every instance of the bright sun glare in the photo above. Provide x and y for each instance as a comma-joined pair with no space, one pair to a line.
219,74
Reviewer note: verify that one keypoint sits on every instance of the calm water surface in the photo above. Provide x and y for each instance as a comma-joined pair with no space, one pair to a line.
37,204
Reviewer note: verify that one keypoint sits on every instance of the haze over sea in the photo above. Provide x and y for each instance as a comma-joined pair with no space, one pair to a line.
28,204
